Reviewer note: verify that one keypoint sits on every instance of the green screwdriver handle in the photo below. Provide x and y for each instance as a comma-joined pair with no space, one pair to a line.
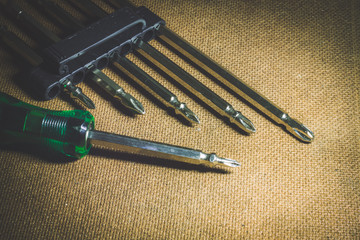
62,131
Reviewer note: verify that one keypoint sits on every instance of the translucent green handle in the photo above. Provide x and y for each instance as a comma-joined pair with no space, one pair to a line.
62,131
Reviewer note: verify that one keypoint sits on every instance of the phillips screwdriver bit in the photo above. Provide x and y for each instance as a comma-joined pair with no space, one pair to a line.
115,90
72,133
129,101
197,88
190,52
94,74
154,88
137,74
263,104
193,85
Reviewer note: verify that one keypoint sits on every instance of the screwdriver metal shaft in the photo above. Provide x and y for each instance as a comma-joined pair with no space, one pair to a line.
259,101
154,88
157,150
72,133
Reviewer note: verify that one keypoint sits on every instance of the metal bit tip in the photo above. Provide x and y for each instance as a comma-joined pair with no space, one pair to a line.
77,93
243,122
183,110
299,130
132,104
87,101
223,161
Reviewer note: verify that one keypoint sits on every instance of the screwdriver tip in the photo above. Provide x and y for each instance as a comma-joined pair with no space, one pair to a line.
243,122
183,110
299,130
132,104
213,158
77,93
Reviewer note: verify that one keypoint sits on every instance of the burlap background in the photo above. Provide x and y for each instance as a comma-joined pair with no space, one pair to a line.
304,55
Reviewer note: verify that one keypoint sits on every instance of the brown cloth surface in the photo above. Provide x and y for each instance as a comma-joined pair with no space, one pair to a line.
303,55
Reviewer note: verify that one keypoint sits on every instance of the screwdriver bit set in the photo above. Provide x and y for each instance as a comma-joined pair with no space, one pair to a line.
63,63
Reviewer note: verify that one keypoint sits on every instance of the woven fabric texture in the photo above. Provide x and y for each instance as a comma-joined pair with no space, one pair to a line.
303,55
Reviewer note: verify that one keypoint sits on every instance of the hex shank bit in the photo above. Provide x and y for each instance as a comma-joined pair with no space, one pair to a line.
154,88
45,37
256,99
115,90
139,76
194,86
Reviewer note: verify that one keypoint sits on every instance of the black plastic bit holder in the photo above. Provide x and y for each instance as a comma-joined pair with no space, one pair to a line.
94,45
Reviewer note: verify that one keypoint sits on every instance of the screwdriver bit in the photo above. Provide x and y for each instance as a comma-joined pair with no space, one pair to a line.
72,133
154,88
76,93
115,90
190,52
197,88
135,73
193,85
263,104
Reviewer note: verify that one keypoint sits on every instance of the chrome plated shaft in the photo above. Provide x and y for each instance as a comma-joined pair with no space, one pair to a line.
115,90
256,99
157,150
194,86
154,88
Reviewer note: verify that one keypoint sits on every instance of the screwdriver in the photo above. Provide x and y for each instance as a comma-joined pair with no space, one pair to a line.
126,66
72,133
207,96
